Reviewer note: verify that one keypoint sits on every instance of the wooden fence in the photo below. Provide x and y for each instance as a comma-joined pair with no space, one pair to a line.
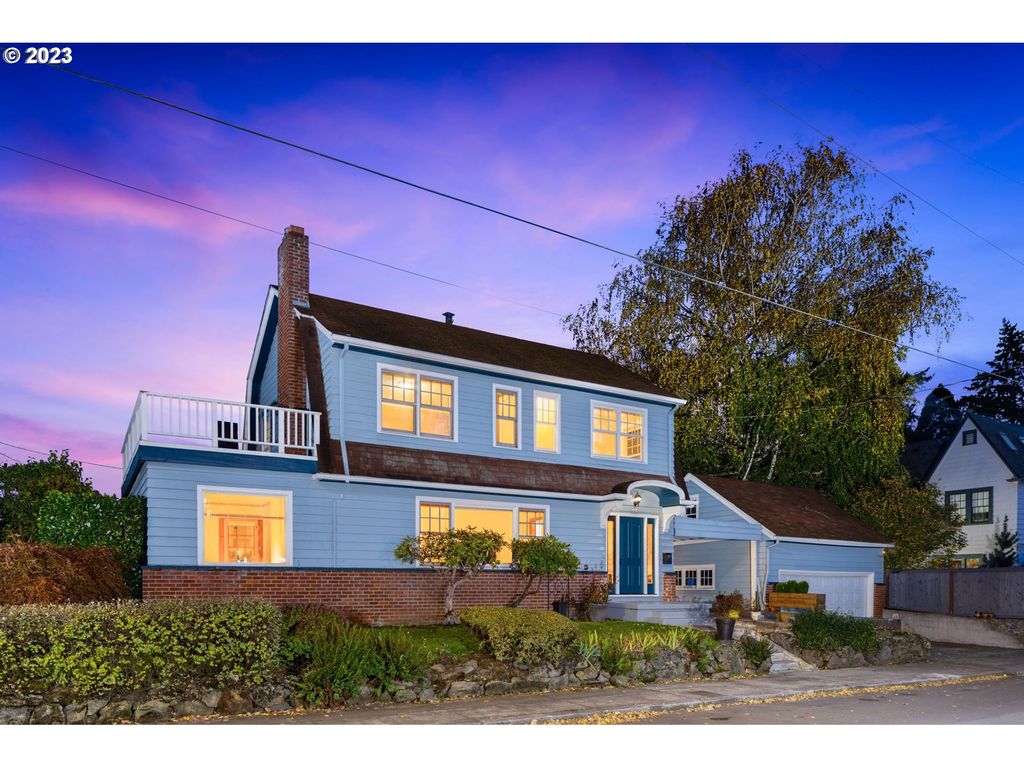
959,591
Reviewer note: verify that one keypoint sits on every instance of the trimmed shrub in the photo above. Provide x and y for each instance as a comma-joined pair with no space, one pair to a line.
42,573
793,587
98,520
100,647
334,657
829,631
520,635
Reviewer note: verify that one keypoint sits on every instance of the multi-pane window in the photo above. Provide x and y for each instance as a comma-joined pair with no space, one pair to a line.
696,577
506,417
435,518
545,422
244,527
416,403
975,504
617,433
531,523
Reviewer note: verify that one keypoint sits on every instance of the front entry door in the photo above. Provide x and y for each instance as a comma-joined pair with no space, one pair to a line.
631,556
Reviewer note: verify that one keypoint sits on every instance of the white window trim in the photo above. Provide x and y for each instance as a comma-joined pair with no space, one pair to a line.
558,421
512,509
619,409
698,569
201,490
495,388
417,372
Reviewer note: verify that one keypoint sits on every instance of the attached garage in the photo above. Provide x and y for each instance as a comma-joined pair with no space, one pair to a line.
849,593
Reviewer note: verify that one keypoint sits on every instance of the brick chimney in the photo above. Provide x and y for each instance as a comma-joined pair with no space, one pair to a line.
293,290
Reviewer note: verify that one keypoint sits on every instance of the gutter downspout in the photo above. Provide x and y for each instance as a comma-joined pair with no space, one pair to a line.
341,410
672,443
764,582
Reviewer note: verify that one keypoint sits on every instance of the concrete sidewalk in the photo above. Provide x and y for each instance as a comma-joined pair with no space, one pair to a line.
947,663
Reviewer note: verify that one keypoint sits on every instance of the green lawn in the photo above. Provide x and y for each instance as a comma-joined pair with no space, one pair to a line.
458,641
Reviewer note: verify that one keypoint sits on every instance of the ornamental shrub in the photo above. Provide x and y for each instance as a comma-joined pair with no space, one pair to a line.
520,635
40,573
793,587
829,631
100,647
756,650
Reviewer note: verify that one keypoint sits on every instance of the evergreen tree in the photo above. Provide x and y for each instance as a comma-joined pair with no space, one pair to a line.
1004,553
940,415
994,396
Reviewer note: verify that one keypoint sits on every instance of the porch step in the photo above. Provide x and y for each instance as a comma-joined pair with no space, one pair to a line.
659,612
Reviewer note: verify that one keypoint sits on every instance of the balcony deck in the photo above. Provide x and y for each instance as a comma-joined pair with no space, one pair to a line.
176,423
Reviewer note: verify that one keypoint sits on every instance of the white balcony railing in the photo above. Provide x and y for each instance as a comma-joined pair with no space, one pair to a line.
221,425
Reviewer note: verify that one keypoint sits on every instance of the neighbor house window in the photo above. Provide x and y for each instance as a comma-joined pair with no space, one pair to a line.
696,577
975,505
969,437
417,403
973,561
506,417
545,422
244,527
617,432
438,516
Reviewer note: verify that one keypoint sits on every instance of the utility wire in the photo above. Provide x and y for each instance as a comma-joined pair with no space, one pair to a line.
561,233
254,225
776,103
903,118
47,453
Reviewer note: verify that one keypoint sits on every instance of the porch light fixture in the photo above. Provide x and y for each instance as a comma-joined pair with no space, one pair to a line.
636,499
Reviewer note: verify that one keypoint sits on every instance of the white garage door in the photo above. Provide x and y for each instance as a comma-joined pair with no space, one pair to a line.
850,593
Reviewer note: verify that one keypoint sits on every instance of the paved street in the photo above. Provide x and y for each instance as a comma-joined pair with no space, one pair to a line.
988,701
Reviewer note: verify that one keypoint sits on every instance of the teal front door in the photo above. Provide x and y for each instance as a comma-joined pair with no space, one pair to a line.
631,556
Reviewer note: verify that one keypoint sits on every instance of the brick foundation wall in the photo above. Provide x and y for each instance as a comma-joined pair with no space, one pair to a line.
881,598
384,596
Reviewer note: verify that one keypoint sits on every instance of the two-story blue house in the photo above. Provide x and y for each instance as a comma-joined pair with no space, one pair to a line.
362,426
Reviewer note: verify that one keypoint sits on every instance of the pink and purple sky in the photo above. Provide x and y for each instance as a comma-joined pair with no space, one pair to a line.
106,292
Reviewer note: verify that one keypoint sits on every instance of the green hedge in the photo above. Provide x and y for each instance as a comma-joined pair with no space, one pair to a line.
98,647
793,587
520,635
828,631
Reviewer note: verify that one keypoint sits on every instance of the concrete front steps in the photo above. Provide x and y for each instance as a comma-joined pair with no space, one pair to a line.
656,611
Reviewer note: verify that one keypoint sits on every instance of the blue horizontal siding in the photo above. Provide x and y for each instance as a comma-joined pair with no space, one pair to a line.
346,525
788,555
715,521
732,565
475,414
268,382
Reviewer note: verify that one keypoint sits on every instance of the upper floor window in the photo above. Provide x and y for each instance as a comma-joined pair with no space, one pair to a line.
617,433
969,437
975,505
244,527
417,403
506,417
546,435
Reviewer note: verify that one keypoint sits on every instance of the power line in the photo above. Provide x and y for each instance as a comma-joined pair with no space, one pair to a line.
881,105
275,232
776,103
561,233
47,453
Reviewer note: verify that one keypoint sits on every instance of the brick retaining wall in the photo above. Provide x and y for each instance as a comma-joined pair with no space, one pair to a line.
384,596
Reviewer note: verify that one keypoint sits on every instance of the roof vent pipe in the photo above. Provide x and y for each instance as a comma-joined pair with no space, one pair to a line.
449,318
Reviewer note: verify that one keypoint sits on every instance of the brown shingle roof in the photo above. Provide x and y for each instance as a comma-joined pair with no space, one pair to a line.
787,511
412,332
389,461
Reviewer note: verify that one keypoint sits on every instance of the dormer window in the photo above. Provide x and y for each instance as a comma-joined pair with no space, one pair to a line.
506,417
969,437
417,403
617,433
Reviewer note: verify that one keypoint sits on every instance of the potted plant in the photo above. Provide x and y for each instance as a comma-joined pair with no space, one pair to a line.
725,610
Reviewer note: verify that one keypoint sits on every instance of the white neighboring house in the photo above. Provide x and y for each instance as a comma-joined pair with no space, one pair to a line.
981,472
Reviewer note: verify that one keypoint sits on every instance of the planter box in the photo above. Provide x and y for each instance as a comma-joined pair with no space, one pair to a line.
781,600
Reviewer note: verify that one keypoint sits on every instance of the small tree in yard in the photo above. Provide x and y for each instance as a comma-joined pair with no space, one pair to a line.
544,556
1004,553
458,553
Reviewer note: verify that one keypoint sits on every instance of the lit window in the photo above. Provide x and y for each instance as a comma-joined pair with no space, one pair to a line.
244,528
416,403
545,426
617,433
610,544
974,505
506,417
696,577
434,518
531,523
650,555
497,520
973,561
